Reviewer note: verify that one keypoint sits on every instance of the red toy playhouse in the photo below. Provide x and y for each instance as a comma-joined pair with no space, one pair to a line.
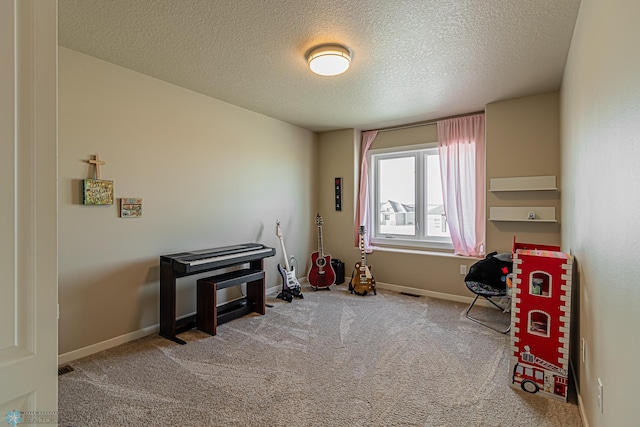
540,319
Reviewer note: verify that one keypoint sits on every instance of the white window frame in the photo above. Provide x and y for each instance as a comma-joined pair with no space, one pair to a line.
419,240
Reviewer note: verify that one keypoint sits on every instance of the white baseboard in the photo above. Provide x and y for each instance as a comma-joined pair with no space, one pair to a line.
583,415
275,289
122,339
439,295
105,345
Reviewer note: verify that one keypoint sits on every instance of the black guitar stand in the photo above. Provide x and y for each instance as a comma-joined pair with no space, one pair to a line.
353,291
288,294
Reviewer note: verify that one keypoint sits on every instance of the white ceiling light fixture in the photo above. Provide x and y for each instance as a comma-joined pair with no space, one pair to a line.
329,59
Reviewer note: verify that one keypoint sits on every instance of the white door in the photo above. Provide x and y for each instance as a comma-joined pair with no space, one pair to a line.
28,212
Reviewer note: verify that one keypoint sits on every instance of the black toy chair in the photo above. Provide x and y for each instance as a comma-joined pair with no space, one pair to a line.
487,292
487,279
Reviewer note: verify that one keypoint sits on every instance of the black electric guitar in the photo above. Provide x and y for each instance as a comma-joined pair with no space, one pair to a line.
290,284
362,282
321,274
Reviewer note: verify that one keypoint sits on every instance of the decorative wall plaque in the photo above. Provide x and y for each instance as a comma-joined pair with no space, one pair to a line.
97,192
130,208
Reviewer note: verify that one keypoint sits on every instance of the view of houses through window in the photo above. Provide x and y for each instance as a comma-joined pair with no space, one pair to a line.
407,194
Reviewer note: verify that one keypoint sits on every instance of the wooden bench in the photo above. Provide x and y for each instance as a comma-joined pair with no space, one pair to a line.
209,315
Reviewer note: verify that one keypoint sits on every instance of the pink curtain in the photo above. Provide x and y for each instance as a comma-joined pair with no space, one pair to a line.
363,194
462,166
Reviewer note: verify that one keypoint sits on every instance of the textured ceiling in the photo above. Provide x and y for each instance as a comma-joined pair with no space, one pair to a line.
413,60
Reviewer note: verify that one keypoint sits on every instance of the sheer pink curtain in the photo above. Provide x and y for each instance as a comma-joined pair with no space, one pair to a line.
363,194
461,148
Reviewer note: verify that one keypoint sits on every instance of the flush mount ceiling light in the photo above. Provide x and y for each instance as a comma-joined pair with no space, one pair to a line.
329,59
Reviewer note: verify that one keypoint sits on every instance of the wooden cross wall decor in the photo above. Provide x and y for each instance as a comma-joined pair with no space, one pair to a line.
97,191
97,162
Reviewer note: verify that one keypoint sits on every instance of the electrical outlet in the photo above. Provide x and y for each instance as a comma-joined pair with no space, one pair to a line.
583,350
463,269
600,396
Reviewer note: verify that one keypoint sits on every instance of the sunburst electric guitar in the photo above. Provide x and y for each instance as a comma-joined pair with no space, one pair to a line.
321,274
362,281
290,284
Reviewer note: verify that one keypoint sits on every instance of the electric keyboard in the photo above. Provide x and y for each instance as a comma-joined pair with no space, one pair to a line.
186,263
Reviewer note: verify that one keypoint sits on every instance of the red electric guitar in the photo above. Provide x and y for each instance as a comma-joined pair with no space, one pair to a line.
321,274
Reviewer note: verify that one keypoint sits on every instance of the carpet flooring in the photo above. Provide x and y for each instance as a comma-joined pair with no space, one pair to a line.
330,359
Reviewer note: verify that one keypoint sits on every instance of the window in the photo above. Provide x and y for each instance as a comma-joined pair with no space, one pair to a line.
539,323
406,198
540,284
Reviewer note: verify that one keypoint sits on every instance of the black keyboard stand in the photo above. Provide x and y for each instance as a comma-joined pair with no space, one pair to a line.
172,267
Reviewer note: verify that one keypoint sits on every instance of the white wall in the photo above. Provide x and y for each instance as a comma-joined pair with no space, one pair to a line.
600,134
209,174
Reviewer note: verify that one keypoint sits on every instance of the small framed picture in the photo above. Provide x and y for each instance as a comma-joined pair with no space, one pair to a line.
130,208
97,192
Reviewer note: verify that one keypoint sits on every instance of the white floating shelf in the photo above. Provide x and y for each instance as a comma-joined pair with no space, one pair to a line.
523,214
523,183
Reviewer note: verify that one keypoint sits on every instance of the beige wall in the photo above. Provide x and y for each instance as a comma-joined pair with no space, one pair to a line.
600,122
532,122
338,157
523,139
209,174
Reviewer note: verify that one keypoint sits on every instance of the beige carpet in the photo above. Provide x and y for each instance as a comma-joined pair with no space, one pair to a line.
330,359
